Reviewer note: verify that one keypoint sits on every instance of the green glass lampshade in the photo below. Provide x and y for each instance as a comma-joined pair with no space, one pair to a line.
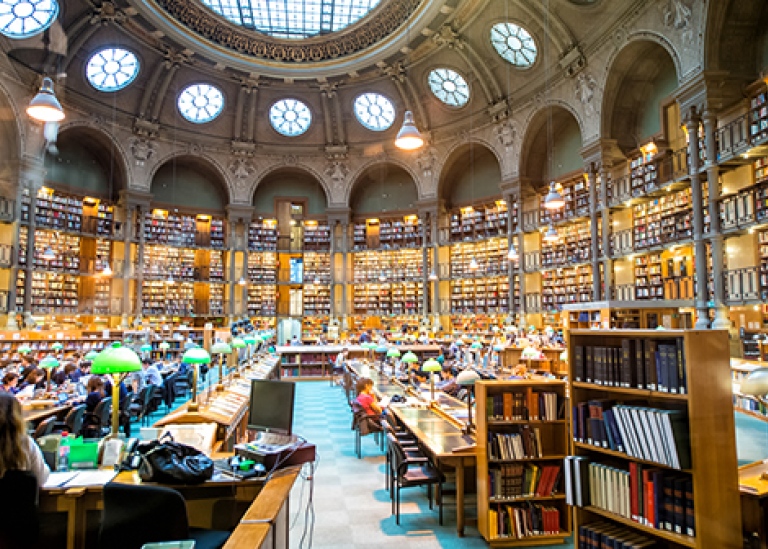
467,378
146,348
91,355
431,365
382,349
393,353
24,349
410,357
237,343
57,346
164,346
530,353
460,342
196,356
221,348
498,348
116,345
477,345
249,340
116,360
49,362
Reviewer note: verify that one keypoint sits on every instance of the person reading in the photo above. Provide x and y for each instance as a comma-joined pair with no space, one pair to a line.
366,398
18,452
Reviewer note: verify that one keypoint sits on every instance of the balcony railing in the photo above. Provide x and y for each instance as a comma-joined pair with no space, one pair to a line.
732,138
620,190
532,261
680,163
738,210
533,302
530,220
622,242
624,292
7,209
742,284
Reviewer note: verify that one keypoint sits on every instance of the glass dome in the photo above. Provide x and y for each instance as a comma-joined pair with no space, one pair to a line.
293,19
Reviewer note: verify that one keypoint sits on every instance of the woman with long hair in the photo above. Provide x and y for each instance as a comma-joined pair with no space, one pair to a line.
17,449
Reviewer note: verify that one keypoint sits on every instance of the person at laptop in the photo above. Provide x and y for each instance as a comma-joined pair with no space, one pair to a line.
10,381
35,378
18,452
149,375
366,397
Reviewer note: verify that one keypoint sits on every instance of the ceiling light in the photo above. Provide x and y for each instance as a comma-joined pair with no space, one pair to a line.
44,107
512,254
241,281
317,280
383,276
107,270
49,254
554,200
473,265
170,279
433,275
551,234
409,138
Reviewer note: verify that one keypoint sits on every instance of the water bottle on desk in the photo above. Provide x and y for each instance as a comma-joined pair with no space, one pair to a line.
62,463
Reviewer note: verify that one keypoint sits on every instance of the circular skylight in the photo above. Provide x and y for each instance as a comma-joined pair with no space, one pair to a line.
290,117
112,69
374,111
449,87
200,103
25,18
293,19
514,43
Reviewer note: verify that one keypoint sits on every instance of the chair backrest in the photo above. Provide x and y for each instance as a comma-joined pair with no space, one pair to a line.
18,507
103,411
45,427
139,514
74,419
398,455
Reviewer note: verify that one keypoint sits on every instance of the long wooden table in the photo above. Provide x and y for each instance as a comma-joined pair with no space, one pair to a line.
438,432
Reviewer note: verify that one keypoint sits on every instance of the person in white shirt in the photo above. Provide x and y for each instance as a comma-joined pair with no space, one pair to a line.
149,375
18,452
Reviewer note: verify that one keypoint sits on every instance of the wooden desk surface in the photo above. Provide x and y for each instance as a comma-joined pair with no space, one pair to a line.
438,435
750,481
40,413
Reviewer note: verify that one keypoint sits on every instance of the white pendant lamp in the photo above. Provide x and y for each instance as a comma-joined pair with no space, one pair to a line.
409,138
49,254
473,265
44,107
554,200
551,234
107,271
512,254
241,282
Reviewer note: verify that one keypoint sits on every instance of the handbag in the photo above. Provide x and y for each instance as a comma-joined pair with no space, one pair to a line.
169,462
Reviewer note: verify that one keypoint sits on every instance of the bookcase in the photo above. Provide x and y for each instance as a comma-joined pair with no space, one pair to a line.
653,440
262,235
758,116
481,221
522,438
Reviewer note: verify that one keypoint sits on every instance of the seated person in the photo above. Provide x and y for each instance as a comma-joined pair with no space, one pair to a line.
149,375
70,372
10,381
96,392
34,378
366,398
18,451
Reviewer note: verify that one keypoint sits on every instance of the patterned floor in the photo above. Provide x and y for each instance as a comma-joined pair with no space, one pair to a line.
352,508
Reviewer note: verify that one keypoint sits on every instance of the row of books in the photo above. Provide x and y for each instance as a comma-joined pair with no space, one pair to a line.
654,498
515,480
602,534
528,405
521,445
641,364
507,521
650,434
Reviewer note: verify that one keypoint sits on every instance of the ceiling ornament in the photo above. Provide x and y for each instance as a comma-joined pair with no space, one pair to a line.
142,149
677,15
427,161
356,38
585,92
337,171
506,133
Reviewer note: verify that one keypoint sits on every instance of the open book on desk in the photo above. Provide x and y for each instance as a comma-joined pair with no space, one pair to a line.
87,477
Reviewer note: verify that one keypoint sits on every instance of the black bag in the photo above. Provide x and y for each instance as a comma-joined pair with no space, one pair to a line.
169,462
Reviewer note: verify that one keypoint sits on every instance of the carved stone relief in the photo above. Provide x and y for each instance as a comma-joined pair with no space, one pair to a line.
142,149
585,92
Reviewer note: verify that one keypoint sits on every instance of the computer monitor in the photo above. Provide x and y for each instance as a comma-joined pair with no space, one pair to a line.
271,406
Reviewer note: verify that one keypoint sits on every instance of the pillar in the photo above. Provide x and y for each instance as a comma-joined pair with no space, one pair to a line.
607,230
595,247
32,177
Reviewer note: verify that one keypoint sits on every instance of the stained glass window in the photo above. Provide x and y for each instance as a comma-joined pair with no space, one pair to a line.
514,43
112,69
201,103
449,87
290,117
374,111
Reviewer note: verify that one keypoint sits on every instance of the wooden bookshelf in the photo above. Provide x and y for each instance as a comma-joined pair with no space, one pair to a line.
758,116
518,481
706,406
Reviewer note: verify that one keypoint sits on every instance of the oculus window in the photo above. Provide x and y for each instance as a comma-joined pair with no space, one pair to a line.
293,19
25,18
449,87
514,43
374,111
290,117
112,69
200,103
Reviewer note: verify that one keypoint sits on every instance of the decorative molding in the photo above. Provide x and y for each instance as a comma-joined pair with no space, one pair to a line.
584,91
573,62
506,133
142,149
337,171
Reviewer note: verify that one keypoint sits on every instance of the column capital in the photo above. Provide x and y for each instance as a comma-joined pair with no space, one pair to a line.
239,212
130,199
339,215
433,206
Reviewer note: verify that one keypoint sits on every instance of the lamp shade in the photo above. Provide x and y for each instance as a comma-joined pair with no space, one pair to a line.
409,138
24,349
237,343
57,346
756,383
91,355
197,355
477,345
49,362
249,340
564,356
467,378
554,200
410,357
115,345
498,348
164,346
44,107
431,365
460,342
116,360
371,346
221,348
551,234
393,353
382,349
146,348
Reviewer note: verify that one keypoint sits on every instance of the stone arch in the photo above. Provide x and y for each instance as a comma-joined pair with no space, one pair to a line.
379,171
461,151
299,175
535,125
355,177
199,162
633,70
301,167
13,138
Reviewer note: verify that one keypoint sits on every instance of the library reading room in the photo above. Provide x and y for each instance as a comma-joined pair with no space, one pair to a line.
412,274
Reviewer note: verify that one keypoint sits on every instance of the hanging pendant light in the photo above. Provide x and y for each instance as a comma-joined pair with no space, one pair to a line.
170,279
44,107
474,265
409,137
551,234
241,282
433,275
383,276
48,254
512,254
554,200
107,271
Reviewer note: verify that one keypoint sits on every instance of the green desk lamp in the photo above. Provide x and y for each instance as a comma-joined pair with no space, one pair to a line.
164,346
91,355
249,340
381,350
756,385
237,343
57,346
220,348
146,348
115,361
49,363
193,357
410,358
393,353
468,378
24,350
430,366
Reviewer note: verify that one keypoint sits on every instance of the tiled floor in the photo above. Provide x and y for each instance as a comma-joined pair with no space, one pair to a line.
352,508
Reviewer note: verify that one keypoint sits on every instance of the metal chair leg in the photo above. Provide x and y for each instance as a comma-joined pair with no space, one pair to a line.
440,503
